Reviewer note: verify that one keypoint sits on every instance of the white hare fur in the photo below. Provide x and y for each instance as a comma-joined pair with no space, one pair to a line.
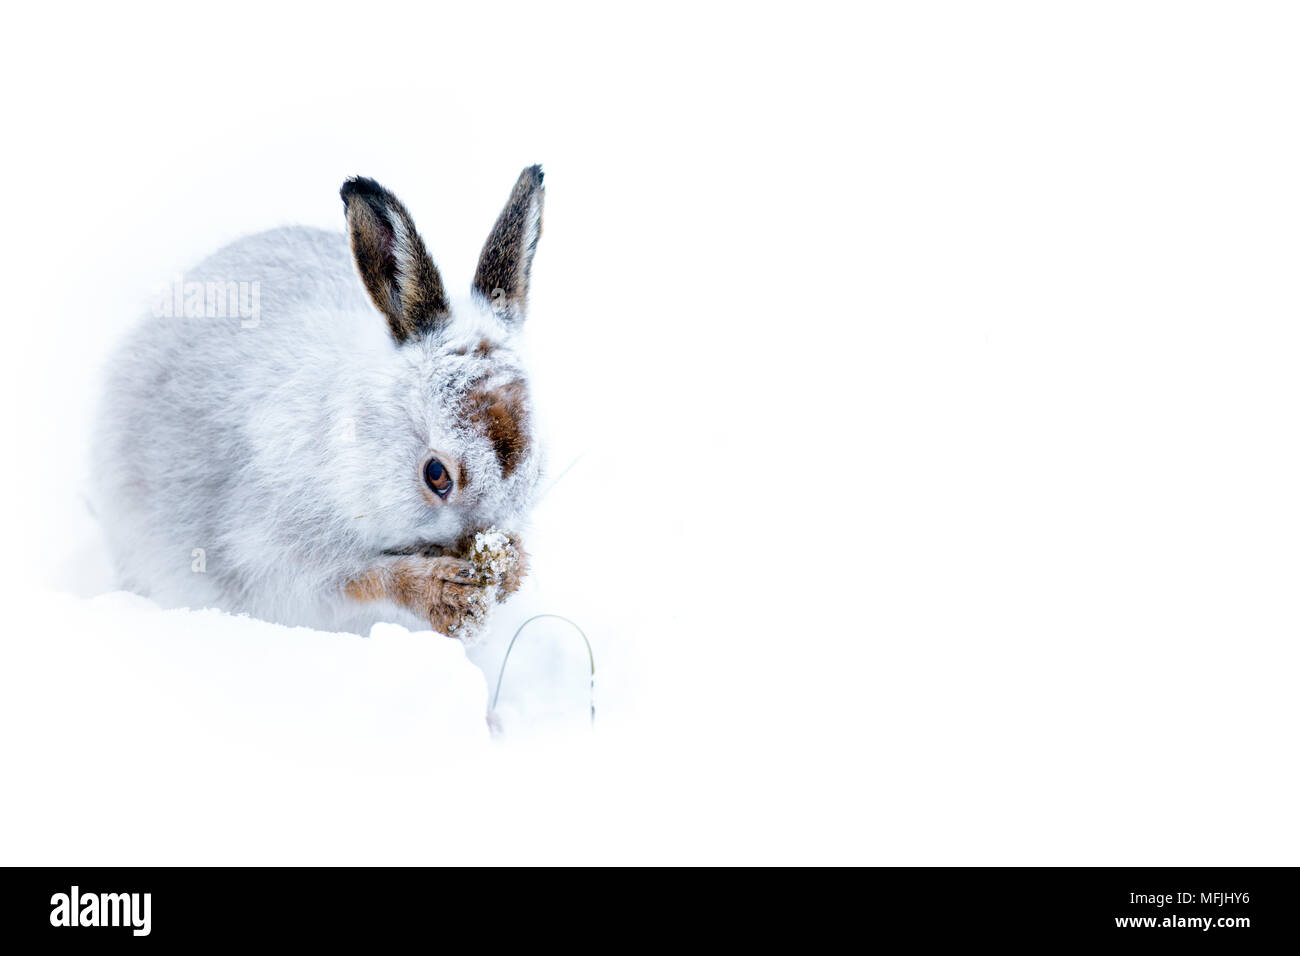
291,452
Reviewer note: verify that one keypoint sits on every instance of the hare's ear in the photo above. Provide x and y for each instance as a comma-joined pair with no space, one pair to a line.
507,256
394,265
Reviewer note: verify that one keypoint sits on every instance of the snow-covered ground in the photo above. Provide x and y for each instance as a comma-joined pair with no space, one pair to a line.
921,393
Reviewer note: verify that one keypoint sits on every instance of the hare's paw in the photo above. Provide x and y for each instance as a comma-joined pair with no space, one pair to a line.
513,574
442,590
456,608
498,559
460,611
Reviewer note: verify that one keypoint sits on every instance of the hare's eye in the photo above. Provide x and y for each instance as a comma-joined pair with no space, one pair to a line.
437,477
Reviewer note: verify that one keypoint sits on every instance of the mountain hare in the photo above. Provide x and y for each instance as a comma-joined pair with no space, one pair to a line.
342,456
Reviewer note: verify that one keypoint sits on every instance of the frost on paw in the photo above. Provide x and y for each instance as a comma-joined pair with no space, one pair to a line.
498,564
494,556
468,623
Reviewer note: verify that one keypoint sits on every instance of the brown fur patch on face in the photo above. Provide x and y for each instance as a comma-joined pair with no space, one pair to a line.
506,261
395,268
500,413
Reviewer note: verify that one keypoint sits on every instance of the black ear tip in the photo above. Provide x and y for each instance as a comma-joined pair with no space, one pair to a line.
361,186
534,174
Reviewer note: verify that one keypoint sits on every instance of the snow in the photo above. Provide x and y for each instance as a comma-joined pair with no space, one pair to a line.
296,695
492,553
921,391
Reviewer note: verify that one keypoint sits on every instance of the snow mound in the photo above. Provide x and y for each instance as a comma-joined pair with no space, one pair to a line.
168,684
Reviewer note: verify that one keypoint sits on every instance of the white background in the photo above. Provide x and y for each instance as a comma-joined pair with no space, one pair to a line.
930,371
